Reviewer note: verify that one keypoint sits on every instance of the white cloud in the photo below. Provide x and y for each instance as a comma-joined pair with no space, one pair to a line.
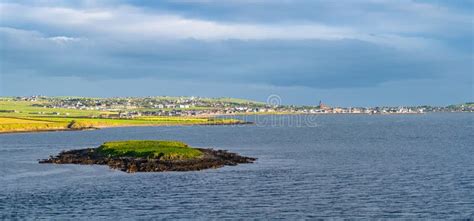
52,15
18,38
63,39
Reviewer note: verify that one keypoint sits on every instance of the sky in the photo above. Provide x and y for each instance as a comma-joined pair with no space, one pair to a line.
345,52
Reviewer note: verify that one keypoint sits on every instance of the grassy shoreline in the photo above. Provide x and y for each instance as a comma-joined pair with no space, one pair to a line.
33,124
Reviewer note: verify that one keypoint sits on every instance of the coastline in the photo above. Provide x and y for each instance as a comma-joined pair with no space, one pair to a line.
206,124
296,113
45,131
123,125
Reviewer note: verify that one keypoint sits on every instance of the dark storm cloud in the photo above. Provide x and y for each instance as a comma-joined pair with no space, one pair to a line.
309,63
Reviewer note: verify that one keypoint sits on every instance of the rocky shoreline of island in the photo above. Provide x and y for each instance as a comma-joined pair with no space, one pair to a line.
90,156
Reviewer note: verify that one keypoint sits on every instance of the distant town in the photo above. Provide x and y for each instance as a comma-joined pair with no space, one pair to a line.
130,107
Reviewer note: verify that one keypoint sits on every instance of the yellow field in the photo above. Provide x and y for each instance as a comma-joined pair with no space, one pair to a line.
7,120
18,125
15,124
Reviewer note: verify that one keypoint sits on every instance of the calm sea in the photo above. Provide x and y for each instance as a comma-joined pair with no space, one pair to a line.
345,166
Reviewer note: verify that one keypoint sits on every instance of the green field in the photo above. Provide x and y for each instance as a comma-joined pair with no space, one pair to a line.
166,150
12,108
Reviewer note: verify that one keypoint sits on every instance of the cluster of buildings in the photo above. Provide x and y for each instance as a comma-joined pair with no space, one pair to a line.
114,104
325,109
196,106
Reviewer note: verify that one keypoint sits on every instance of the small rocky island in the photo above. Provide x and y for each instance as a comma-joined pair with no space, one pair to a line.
150,156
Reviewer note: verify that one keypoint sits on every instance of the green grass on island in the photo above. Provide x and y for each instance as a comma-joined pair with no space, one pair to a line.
166,150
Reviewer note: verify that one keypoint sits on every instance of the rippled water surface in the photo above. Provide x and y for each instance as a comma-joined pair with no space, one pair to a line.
347,166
